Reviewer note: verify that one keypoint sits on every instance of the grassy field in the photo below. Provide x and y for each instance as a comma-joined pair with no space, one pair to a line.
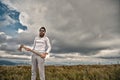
78,72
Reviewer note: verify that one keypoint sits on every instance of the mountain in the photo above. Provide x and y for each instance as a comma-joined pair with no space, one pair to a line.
5,62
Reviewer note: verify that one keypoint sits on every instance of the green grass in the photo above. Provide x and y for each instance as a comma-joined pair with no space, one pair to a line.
78,72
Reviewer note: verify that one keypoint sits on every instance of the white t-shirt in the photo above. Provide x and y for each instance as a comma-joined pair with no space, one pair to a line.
42,44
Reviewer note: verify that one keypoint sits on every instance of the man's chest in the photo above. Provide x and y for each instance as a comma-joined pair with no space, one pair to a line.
40,41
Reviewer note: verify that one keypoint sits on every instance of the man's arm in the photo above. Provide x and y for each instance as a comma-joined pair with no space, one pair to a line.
48,48
48,45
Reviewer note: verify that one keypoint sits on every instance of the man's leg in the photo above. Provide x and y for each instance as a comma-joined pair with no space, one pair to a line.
34,67
41,68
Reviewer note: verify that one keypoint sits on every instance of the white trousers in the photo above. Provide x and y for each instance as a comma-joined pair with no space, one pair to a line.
37,62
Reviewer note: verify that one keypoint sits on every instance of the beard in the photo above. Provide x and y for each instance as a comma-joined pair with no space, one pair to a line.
41,35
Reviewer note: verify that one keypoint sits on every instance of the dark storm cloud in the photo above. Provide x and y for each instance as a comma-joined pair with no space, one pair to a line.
84,26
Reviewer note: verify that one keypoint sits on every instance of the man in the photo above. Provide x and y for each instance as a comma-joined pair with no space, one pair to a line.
42,45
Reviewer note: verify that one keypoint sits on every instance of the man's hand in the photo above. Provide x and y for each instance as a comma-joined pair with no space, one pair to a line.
43,55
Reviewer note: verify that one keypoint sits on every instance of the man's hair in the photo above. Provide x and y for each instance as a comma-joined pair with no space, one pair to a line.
42,28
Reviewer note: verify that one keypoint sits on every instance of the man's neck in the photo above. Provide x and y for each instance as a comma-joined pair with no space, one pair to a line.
41,36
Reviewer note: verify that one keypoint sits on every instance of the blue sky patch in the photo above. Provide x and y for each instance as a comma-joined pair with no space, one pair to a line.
12,28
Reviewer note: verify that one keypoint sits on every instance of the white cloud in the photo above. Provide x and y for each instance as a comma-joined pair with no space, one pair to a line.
24,18
108,53
20,30
3,54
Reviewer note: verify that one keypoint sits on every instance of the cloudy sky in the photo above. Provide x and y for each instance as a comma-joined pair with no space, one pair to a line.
87,27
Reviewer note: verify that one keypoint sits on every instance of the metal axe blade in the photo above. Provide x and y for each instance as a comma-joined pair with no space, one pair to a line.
20,48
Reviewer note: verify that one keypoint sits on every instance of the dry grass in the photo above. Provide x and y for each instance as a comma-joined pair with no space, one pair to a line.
79,72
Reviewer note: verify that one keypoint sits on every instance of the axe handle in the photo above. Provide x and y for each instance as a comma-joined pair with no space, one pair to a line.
33,51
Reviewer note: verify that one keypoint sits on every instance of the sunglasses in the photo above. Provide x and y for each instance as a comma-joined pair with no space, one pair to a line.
42,30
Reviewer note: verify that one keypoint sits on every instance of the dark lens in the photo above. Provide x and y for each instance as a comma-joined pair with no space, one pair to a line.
42,30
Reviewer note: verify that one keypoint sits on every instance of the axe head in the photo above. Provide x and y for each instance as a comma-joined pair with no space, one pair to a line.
20,48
